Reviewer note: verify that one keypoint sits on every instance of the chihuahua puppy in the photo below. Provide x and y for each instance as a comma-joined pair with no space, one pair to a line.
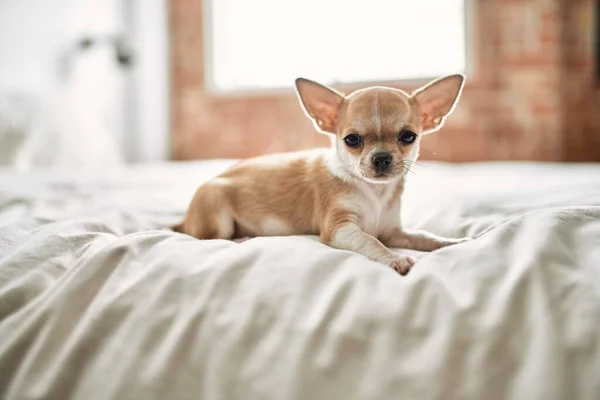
349,194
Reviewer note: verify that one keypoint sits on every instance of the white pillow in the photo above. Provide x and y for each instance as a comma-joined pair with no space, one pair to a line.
52,130
16,111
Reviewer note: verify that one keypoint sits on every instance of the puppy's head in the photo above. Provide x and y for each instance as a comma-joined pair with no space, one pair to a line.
377,130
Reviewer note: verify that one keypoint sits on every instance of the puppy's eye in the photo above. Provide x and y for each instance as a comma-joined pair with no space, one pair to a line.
406,137
353,140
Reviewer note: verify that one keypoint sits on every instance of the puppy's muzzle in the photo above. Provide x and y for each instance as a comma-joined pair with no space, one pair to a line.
382,162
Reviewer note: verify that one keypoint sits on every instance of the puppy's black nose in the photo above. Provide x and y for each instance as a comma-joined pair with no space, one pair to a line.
382,161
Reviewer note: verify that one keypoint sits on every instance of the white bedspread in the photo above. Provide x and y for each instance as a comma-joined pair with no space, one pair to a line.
98,301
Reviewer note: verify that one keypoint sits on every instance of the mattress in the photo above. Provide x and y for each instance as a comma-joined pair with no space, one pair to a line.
98,300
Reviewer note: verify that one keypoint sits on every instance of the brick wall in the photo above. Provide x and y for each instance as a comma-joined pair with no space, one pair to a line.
531,94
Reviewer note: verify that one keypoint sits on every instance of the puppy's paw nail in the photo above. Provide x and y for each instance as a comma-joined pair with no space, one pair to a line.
402,264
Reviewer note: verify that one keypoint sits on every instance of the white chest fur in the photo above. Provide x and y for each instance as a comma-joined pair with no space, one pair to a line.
377,209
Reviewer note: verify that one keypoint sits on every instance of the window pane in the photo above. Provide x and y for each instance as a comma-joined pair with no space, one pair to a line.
268,43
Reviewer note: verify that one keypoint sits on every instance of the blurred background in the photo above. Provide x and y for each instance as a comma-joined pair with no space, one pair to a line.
93,82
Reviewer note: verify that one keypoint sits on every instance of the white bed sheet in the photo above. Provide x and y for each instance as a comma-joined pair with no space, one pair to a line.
98,301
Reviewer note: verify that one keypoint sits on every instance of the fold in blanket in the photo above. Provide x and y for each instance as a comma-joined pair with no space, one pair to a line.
98,308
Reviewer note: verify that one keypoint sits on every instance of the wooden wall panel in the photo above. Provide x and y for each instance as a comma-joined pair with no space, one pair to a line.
531,94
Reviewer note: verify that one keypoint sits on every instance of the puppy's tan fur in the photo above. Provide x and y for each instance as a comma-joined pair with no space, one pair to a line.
338,193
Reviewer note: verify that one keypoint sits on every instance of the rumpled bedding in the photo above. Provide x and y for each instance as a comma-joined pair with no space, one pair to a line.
98,300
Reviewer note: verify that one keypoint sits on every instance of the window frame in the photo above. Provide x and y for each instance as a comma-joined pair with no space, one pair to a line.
216,125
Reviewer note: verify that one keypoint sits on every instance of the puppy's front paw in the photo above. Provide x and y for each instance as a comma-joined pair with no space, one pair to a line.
400,263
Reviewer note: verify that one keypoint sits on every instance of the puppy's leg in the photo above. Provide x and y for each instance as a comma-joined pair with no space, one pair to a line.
350,237
418,240
208,216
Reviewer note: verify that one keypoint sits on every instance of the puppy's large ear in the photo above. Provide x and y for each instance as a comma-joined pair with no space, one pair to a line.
320,103
437,100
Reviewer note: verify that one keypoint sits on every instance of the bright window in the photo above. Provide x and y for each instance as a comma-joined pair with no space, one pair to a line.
262,44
